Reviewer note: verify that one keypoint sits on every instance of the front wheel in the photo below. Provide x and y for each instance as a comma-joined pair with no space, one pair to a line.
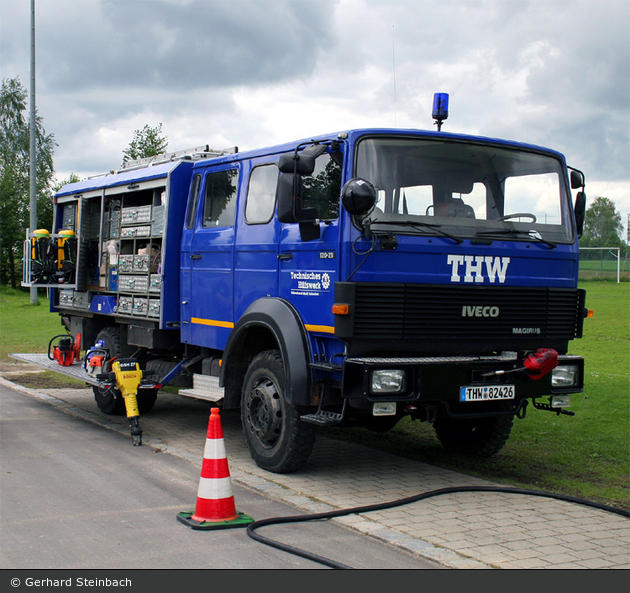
277,439
479,437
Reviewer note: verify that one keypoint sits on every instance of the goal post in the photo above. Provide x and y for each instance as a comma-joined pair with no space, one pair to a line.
600,262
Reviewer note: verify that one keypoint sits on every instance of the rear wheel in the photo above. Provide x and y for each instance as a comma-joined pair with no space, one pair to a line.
161,368
146,400
110,401
479,437
277,439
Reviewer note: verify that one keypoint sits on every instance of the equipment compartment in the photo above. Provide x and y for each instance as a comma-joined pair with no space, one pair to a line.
136,215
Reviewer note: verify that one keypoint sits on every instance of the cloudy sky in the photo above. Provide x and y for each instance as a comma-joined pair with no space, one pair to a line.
252,73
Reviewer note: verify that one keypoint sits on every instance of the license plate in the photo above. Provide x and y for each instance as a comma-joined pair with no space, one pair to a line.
482,393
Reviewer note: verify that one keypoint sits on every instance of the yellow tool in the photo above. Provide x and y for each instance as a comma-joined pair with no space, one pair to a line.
126,376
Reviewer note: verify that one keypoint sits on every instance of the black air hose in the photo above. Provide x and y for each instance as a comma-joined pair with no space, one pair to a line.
251,529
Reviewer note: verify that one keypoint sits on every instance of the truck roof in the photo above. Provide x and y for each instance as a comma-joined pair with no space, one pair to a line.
123,177
156,171
354,134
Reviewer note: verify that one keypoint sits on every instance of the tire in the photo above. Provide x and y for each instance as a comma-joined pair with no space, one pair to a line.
277,439
110,401
478,437
161,368
146,400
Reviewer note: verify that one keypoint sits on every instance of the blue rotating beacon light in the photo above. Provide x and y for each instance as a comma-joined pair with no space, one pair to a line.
440,109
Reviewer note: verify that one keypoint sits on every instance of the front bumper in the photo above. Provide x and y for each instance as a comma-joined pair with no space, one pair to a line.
430,380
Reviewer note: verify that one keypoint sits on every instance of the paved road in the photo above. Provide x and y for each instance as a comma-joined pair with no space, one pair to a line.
75,496
465,530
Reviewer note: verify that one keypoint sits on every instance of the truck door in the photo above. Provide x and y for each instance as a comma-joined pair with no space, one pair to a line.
186,261
208,248
256,261
309,269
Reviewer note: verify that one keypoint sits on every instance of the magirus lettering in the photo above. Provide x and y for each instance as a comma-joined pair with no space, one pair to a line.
478,268
526,330
479,311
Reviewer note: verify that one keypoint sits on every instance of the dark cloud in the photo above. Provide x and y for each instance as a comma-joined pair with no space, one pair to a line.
549,72
184,45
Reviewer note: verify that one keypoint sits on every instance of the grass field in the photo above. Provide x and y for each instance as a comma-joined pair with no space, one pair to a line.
595,269
587,455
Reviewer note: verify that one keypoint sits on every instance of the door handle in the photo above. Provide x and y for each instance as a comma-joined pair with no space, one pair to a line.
285,256
195,256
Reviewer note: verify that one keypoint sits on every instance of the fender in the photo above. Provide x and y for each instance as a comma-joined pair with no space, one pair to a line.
283,328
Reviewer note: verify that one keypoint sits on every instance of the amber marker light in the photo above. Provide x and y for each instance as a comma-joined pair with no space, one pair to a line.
340,309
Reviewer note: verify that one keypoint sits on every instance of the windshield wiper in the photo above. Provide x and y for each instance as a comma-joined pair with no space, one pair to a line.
418,226
532,235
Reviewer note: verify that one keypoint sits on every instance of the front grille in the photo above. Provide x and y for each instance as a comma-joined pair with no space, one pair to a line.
417,312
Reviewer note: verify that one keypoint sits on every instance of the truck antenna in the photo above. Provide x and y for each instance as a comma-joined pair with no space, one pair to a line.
394,72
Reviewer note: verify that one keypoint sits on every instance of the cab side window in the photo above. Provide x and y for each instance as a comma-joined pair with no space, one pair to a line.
322,189
192,201
261,194
220,198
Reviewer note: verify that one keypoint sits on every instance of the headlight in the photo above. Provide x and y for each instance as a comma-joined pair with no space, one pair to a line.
560,401
384,409
565,376
388,381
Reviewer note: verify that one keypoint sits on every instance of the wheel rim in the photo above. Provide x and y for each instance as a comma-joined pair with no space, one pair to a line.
264,412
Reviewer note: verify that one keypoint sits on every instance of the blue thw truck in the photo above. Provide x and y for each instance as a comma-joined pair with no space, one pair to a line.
349,279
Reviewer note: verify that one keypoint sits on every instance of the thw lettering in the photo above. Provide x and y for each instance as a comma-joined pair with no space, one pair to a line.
472,267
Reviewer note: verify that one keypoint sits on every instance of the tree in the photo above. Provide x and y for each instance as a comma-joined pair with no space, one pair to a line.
145,143
72,179
602,224
15,173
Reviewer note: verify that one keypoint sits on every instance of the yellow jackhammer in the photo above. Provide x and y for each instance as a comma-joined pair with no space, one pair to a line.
127,377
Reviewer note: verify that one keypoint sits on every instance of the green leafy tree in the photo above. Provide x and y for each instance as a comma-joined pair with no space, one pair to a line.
602,227
73,178
146,142
602,224
15,174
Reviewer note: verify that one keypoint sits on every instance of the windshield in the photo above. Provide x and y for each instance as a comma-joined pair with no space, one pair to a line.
466,189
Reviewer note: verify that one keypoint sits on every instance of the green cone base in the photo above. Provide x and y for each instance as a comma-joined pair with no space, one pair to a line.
241,520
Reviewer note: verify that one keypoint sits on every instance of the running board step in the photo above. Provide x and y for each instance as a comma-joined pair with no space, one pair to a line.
204,387
323,418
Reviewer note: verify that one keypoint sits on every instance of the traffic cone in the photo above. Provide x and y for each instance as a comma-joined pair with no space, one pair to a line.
215,502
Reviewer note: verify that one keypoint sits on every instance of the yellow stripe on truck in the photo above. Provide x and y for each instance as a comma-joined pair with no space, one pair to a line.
213,322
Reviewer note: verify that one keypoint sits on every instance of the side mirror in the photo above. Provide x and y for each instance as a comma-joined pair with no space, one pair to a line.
289,189
577,179
289,200
302,163
358,196
309,231
580,212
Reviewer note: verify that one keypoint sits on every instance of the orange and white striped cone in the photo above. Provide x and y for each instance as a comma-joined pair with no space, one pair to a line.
215,501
